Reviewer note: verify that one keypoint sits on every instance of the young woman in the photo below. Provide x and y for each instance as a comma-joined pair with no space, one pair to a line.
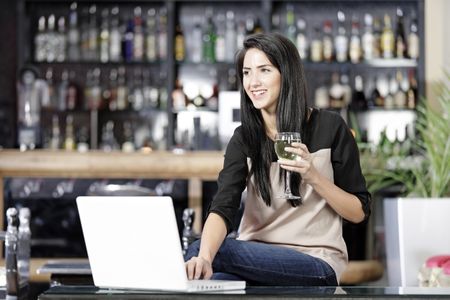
278,243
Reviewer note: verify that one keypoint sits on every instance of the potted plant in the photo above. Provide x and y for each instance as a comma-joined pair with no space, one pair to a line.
416,225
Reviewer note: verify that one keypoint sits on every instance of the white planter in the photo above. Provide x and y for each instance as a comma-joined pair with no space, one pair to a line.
415,229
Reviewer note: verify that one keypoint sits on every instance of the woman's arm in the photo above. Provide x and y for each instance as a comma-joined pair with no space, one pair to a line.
214,232
345,204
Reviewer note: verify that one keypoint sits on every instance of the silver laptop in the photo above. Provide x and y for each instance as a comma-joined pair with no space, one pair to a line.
133,243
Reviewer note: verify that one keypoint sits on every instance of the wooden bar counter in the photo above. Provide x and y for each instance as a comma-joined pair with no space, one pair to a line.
192,166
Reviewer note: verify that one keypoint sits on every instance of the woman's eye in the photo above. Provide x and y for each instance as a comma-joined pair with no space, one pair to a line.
265,70
245,73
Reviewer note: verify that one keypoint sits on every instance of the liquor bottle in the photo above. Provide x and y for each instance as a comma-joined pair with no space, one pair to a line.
73,92
51,44
113,85
341,40
376,98
355,50
29,101
138,36
104,36
196,50
368,38
40,41
108,140
127,41
94,101
61,43
412,90
73,34
179,98
179,44
84,34
219,46
23,246
11,240
387,38
62,91
69,139
327,41
230,37
93,34
52,100
321,97
146,91
115,37
316,46
347,90
83,139
291,29
128,143
276,22
163,93
399,95
413,38
389,101
122,89
257,28
151,51
336,92
162,34
376,38
137,96
358,97
301,40
400,38
209,38
55,140
240,37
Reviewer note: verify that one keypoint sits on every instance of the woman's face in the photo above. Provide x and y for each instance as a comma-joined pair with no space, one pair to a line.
261,80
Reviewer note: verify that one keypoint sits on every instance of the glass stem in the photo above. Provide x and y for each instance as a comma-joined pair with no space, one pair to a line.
288,183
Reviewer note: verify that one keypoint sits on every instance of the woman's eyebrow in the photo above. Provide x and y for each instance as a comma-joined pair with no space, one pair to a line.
258,67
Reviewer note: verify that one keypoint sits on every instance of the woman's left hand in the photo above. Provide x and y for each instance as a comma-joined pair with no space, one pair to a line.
302,164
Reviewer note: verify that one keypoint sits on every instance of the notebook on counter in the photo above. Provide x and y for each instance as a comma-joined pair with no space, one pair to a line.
133,243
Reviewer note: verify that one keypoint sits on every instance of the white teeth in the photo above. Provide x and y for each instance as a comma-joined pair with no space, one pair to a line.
257,93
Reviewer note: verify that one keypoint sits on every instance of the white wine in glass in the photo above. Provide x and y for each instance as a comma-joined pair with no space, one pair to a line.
282,140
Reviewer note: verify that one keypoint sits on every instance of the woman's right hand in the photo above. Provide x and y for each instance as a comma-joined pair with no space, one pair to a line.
198,268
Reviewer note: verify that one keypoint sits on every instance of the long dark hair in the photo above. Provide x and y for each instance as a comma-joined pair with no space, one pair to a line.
291,107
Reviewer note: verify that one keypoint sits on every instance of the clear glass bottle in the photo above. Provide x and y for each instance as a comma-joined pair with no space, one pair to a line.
40,41
230,36
151,47
138,37
162,34
61,44
115,37
12,284
316,46
105,36
355,50
401,50
368,38
93,53
341,39
327,41
24,246
291,29
69,139
413,38
302,40
73,35
52,39
387,38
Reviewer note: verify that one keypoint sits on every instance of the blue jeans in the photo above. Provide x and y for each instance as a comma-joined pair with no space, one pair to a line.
265,264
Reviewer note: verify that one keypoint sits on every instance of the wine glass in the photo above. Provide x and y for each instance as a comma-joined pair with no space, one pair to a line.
282,140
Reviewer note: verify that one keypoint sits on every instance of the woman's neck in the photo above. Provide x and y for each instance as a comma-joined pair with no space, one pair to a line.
270,124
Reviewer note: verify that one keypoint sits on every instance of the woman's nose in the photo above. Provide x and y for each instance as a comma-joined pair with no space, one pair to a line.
254,80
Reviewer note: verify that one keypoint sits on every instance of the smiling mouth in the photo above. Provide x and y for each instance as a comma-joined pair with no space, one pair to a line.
258,92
